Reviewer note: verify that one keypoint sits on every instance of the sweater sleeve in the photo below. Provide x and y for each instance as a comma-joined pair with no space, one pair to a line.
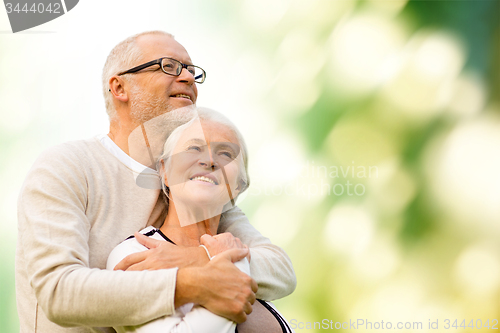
54,236
270,266
188,318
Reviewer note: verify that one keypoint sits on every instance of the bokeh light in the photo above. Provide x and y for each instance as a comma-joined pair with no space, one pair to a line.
399,100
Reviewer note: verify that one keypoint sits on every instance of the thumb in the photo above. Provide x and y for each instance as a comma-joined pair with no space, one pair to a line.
234,254
208,241
148,242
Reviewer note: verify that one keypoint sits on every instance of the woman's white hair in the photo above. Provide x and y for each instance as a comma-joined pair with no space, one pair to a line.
122,57
216,117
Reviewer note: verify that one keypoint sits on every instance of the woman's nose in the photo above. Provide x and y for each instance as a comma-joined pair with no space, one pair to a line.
207,160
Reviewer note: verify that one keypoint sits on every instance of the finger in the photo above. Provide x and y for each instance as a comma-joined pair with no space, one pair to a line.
249,256
130,260
148,242
239,243
252,298
234,254
248,308
208,240
138,267
241,318
224,235
254,286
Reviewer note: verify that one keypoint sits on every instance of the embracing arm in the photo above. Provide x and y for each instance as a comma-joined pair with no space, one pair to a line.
270,265
54,258
187,319
54,240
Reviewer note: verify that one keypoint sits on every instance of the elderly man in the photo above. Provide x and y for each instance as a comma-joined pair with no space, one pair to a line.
79,201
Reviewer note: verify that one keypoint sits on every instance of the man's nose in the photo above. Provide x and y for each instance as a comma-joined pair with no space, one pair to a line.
186,76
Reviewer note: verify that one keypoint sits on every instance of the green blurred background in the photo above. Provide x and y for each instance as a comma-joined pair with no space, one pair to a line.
373,128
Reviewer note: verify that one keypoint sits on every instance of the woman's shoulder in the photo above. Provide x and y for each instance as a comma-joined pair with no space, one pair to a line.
127,247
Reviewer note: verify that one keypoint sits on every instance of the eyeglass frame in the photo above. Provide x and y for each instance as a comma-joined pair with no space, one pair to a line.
158,62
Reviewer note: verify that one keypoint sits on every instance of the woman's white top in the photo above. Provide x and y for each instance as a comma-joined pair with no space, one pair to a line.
189,318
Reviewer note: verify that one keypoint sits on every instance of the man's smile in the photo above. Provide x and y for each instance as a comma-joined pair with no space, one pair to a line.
185,95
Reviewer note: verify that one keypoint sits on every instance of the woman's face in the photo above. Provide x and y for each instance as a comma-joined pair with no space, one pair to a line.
202,166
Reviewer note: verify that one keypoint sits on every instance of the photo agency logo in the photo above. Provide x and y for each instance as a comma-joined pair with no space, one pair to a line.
28,14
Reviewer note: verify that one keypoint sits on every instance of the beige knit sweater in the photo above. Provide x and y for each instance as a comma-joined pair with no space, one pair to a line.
77,203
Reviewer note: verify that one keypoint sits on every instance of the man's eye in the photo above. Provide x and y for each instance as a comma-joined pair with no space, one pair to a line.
226,154
169,66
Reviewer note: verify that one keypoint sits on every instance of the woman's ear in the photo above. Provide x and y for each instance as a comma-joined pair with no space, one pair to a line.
241,185
163,172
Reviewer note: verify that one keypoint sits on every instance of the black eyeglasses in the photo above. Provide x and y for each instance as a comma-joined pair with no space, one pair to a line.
171,67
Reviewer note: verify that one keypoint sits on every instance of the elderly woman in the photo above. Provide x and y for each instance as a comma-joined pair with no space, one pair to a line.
203,170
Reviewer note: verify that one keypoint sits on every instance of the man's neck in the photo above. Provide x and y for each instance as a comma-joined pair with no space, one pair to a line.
119,133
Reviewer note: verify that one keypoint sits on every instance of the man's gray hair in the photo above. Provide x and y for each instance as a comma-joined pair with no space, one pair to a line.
122,57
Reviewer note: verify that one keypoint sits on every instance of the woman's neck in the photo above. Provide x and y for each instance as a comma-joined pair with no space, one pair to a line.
187,234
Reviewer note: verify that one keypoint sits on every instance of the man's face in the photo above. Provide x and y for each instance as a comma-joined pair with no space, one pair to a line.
153,92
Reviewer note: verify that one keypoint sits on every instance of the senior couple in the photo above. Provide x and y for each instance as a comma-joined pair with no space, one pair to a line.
197,264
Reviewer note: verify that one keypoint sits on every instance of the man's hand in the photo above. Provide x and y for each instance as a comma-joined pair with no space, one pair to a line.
218,286
161,255
261,320
222,242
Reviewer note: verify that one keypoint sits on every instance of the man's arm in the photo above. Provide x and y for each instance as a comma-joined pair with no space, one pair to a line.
217,285
196,320
54,236
270,265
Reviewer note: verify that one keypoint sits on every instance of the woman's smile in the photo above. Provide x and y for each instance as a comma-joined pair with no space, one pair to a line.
205,178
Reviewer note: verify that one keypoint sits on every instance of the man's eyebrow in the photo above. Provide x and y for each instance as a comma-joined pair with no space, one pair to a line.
190,63
226,145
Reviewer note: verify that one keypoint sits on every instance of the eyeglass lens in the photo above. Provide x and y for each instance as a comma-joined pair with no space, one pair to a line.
174,67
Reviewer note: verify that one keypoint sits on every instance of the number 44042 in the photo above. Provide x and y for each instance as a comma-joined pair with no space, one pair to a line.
478,324
35,8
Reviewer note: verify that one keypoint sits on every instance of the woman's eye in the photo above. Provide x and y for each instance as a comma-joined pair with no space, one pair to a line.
194,148
226,154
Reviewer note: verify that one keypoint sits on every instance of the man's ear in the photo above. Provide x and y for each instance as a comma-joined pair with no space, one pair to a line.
117,88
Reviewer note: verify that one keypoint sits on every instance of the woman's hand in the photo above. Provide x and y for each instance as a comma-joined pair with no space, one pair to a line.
222,242
162,255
